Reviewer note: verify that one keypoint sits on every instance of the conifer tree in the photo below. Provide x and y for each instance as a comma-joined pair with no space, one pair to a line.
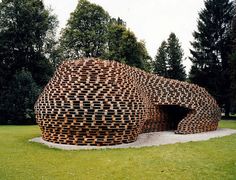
175,68
160,65
169,59
211,49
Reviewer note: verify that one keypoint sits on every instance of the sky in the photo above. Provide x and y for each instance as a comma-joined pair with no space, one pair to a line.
150,20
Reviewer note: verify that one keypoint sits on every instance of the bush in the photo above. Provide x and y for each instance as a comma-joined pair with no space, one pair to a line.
18,100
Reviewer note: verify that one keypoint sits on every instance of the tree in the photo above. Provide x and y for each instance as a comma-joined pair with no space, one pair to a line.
20,98
160,66
133,51
124,47
233,66
233,81
147,63
211,49
169,59
86,32
91,32
54,52
115,38
25,28
175,68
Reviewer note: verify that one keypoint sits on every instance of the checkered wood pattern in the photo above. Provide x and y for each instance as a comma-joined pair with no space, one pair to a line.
98,102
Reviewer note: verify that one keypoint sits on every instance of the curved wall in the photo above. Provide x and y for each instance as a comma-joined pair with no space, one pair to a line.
98,102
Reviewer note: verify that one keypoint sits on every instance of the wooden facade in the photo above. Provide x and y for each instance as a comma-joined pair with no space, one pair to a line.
98,102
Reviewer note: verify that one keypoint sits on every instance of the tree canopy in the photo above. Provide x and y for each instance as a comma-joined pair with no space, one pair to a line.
160,65
86,32
175,58
211,49
25,30
169,59
29,51
124,47
91,32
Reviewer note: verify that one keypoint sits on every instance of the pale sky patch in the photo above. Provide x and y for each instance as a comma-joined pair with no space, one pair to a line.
150,20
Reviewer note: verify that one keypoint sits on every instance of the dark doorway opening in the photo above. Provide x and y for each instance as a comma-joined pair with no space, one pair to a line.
172,115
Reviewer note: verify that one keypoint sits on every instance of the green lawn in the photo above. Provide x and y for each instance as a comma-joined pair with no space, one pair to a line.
21,159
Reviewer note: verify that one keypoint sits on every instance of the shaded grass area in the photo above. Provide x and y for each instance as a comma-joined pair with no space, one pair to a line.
21,159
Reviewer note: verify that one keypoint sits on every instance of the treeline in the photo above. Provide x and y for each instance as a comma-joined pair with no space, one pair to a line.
29,51
91,32
213,54
26,31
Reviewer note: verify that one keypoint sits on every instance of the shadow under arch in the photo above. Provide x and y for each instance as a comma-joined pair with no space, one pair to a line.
165,118
171,115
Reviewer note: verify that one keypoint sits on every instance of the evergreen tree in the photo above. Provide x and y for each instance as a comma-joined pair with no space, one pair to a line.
25,29
211,49
160,66
175,68
169,59
86,32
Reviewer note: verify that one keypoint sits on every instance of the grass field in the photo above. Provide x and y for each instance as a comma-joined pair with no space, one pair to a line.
21,159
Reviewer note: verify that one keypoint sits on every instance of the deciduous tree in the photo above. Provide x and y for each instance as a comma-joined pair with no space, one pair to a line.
25,28
86,32
124,47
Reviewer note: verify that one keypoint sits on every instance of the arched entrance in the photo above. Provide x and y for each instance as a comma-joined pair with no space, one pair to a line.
164,118
171,115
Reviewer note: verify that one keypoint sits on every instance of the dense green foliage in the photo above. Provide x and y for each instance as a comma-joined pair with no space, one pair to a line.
160,66
233,67
211,50
115,41
233,81
20,98
124,47
29,52
20,159
91,32
26,29
169,59
86,31
175,58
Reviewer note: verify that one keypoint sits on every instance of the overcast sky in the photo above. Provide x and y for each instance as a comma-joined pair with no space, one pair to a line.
150,20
